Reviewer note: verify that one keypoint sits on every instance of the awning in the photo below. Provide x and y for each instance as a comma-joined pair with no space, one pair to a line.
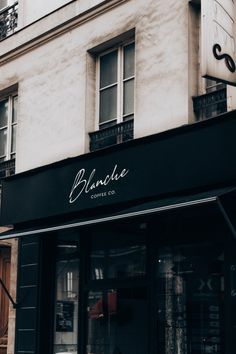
223,199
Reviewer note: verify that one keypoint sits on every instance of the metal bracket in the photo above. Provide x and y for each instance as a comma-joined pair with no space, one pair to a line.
14,304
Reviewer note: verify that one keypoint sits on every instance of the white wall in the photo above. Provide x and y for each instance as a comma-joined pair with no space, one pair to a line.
31,11
162,67
56,79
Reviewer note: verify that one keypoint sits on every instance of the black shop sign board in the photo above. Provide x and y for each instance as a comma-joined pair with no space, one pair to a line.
195,156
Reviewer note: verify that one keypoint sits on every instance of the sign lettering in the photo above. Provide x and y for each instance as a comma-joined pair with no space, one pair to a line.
83,184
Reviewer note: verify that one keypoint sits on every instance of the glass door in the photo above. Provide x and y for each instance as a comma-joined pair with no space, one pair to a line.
117,321
67,295
117,304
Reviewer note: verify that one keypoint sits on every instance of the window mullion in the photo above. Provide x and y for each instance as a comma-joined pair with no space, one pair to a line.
9,130
119,85
108,86
98,68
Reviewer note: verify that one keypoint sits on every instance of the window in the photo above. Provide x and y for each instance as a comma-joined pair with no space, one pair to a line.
117,295
8,17
151,284
67,294
115,96
116,73
190,298
213,85
213,102
8,122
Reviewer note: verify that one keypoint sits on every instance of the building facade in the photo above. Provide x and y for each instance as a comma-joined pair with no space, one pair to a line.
117,208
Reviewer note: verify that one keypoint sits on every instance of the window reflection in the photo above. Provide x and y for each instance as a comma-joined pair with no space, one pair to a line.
190,300
66,302
117,321
111,259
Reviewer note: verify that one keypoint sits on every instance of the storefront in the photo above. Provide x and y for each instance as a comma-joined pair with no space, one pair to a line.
130,250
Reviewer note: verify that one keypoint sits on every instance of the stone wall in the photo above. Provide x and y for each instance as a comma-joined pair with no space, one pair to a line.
57,89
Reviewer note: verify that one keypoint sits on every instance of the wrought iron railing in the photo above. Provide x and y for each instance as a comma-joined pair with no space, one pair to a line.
211,104
112,135
7,168
8,20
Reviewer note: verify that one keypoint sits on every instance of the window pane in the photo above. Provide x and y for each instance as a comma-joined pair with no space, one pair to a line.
67,290
108,104
13,138
118,258
3,113
191,299
128,104
129,61
14,112
119,262
108,69
117,321
3,142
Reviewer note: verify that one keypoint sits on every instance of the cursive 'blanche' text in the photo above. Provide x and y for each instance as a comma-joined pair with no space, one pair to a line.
82,184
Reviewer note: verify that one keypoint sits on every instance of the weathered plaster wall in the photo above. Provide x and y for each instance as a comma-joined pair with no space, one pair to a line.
161,67
31,11
56,79
194,57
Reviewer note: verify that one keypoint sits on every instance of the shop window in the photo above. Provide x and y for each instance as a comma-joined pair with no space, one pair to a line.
117,321
117,316
147,285
67,295
117,259
115,96
190,298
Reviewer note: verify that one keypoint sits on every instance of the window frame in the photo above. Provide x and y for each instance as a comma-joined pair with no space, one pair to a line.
120,117
213,85
9,155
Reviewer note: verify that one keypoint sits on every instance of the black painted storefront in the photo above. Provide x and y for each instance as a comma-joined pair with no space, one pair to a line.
148,227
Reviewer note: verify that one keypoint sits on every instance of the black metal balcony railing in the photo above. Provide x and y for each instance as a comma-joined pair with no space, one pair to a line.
112,135
7,168
8,20
211,104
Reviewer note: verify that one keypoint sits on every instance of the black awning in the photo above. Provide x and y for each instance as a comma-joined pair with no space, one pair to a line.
222,200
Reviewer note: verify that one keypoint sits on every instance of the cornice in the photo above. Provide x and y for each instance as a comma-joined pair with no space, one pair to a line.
17,46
